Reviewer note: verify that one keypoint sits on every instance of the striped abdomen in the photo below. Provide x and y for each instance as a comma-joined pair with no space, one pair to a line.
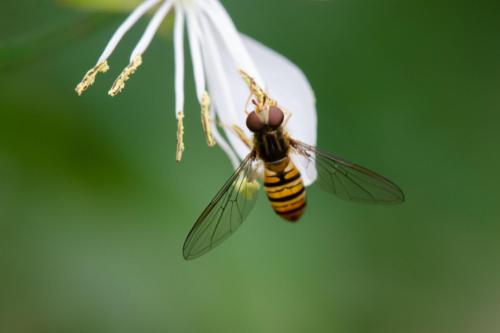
285,189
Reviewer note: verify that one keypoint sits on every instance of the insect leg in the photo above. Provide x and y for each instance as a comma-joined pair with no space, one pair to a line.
246,103
288,115
238,132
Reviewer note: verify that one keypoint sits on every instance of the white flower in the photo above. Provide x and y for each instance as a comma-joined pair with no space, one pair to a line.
218,53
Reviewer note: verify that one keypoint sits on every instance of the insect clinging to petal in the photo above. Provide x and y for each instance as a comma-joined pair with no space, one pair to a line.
273,147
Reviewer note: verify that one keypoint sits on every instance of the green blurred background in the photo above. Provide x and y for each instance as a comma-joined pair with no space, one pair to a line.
94,210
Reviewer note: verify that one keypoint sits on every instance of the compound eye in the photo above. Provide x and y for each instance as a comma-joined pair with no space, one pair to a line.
254,123
276,117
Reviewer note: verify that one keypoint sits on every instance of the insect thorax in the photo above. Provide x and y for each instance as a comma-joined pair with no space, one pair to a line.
271,146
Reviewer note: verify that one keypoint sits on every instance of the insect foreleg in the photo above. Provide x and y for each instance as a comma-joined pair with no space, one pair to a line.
241,134
238,132
288,115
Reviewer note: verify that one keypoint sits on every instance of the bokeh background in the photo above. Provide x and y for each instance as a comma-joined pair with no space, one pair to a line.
94,210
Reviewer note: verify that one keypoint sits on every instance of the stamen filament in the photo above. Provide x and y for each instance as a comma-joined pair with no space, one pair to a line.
119,83
132,19
179,58
205,119
196,57
151,29
89,77
180,137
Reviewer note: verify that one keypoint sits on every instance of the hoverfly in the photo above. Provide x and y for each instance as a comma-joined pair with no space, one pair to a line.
271,147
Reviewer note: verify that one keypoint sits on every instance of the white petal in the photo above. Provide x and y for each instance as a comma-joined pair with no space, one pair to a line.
288,85
283,80
222,22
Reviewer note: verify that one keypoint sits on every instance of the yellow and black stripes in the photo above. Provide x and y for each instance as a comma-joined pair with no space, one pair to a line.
285,189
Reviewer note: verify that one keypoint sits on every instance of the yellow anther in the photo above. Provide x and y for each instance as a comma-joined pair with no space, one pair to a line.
205,119
124,76
89,77
180,137
263,99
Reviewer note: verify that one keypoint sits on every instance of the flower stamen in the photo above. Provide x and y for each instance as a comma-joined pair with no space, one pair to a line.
89,77
205,119
256,90
119,83
264,102
218,50
180,136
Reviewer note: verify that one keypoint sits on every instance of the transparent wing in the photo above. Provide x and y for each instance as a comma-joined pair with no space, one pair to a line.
227,211
347,180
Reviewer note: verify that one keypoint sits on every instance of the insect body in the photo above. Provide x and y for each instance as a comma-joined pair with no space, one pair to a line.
282,180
